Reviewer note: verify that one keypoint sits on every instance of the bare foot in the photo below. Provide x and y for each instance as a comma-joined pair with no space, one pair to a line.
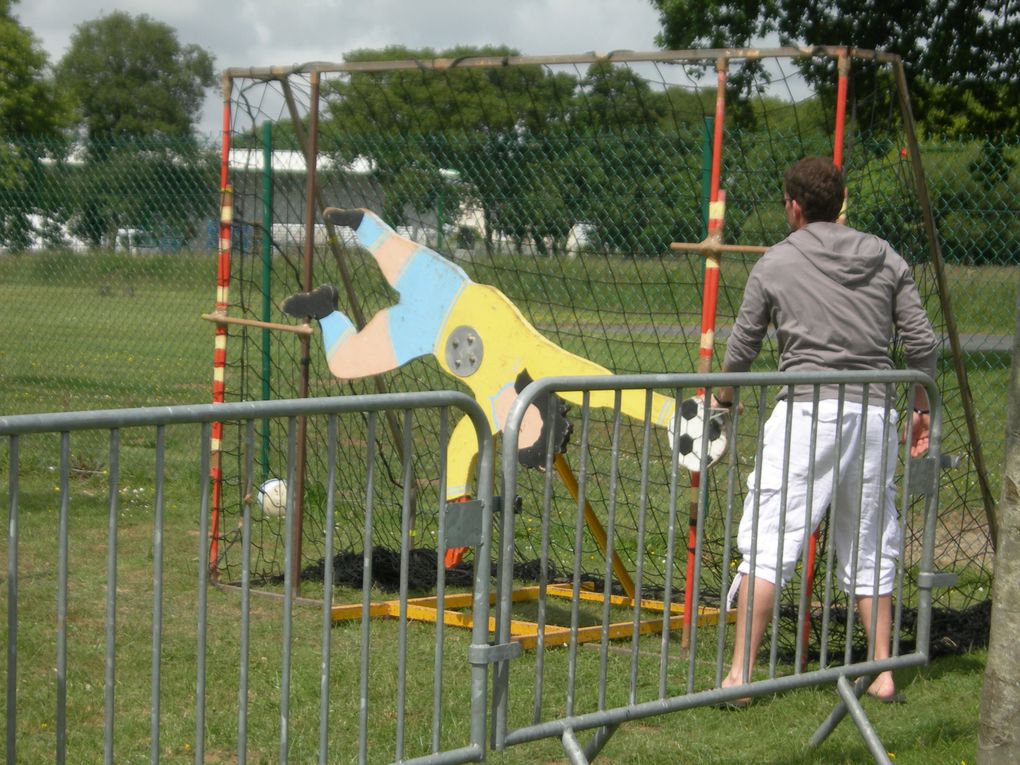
731,681
883,688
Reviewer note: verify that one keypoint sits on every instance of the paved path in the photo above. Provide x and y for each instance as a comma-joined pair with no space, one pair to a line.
986,343
971,343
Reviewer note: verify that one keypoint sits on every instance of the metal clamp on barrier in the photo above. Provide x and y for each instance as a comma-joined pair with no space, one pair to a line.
481,655
464,523
464,520
936,580
922,471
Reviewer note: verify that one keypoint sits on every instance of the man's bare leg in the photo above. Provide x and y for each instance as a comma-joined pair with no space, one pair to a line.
761,613
883,687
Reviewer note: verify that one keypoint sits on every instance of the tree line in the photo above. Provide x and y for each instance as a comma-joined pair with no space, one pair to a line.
536,151
81,140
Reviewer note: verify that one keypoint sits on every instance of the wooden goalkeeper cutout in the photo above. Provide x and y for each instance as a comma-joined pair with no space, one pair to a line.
479,337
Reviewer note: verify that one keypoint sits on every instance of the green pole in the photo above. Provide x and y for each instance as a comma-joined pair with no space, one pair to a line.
706,174
267,267
439,221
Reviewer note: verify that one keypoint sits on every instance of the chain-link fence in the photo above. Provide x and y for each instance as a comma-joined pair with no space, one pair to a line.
107,254
107,257
106,263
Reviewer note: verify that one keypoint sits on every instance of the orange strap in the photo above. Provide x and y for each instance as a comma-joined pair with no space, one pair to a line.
454,555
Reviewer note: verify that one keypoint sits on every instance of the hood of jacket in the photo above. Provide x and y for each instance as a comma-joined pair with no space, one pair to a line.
844,254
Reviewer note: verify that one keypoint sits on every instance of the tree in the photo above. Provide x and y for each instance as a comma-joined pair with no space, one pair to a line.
478,122
130,77
617,99
137,93
31,117
29,104
962,55
536,151
998,735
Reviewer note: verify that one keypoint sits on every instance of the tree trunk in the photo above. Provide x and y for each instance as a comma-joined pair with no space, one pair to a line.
999,730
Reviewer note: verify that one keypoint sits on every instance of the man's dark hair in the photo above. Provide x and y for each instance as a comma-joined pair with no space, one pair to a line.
817,185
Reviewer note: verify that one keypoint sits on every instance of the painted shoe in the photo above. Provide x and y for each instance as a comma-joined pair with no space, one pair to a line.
338,217
318,304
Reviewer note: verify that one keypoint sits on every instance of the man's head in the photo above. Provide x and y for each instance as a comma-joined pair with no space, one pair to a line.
813,191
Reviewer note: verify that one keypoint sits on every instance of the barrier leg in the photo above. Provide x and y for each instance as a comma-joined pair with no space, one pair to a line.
850,698
573,748
599,740
850,702
579,755
837,715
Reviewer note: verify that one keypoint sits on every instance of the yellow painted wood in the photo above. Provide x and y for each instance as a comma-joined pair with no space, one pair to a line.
375,610
594,525
512,345
526,633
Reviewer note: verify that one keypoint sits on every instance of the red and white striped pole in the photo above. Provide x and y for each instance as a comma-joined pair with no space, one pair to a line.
709,300
220,349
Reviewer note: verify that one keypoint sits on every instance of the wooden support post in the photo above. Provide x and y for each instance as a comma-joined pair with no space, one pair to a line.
594,525
221,318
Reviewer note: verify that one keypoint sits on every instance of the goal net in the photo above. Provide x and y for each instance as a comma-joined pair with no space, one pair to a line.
562,181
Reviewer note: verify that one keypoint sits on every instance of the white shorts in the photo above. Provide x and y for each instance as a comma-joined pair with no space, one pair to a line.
783,516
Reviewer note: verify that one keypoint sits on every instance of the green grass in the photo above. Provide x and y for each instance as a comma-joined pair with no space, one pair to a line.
937,725
87,331
83,333
984,298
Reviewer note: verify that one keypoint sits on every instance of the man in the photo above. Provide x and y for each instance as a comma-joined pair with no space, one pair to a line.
835,295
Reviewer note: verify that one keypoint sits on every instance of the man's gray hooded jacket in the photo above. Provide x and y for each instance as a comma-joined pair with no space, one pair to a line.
836,296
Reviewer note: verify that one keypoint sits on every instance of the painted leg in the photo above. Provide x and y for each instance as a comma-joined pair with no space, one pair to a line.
391,251
461,462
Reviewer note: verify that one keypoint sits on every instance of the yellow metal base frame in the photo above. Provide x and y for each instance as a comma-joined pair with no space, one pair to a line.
527,633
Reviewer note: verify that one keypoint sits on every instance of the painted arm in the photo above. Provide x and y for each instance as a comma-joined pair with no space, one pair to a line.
547,360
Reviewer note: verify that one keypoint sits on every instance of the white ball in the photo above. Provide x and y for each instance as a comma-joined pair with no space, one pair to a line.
272,497
694,428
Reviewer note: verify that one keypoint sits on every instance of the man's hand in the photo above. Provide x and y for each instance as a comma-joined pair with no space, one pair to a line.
722,399
920,423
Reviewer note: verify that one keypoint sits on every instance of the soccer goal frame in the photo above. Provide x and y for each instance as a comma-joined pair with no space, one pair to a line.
264,254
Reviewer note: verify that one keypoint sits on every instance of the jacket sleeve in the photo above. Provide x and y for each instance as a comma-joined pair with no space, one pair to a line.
913,327
751,325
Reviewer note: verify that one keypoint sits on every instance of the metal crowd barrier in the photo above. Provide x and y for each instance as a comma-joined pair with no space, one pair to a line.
229,677
105,659
660,673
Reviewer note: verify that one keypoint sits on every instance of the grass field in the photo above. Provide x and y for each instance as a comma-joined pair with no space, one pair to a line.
99,331
937,725
90,332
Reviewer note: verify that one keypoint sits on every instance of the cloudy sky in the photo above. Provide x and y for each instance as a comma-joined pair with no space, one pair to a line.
283,32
